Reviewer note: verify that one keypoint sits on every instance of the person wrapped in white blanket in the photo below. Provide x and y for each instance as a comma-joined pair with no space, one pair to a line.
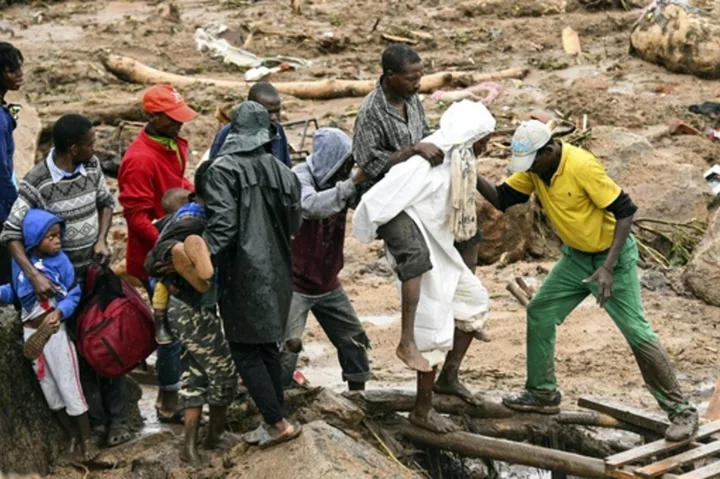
441,201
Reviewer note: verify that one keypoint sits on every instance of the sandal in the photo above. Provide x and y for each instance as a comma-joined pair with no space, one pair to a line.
256,436
118,434
177,418
268,441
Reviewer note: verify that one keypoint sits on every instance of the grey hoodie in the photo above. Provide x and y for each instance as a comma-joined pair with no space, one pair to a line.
330,147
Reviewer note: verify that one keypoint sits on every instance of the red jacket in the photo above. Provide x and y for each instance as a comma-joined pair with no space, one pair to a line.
147,171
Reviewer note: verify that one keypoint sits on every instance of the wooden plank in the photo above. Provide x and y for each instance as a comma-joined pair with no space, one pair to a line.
657,447
711,470
659,468
624,413
473,445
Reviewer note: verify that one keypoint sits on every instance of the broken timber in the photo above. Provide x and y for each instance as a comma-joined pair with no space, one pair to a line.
624,413
382,401
615,465
473,445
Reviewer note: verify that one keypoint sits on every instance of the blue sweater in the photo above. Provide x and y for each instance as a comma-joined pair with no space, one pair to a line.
8,190
280,149
58,269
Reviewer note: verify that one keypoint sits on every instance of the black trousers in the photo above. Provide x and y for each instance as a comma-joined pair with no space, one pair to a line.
105,397
261,371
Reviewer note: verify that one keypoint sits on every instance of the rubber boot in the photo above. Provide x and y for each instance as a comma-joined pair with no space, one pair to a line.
190,453
216,426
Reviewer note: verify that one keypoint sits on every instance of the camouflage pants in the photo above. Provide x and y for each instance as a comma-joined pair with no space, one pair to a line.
209,374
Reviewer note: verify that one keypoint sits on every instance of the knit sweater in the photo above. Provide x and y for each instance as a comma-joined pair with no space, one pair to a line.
76,199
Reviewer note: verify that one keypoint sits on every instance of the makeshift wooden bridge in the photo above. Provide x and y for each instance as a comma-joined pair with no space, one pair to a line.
696,459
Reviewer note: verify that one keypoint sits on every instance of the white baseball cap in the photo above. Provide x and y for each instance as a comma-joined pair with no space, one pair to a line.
529,137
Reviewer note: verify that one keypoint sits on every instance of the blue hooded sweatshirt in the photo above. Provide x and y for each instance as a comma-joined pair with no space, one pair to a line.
58,269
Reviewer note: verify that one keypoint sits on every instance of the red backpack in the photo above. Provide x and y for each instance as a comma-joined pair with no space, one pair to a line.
115,330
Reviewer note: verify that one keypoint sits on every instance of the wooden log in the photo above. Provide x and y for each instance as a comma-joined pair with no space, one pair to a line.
132,70
624,413
595,419
381,401
659,468
657,447
711,470
472,445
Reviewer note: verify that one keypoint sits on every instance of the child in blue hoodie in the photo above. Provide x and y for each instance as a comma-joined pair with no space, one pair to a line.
46,341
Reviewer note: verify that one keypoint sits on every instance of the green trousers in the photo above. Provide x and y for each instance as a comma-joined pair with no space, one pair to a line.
564,290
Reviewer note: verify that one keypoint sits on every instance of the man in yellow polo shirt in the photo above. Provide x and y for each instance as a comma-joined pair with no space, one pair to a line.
593,217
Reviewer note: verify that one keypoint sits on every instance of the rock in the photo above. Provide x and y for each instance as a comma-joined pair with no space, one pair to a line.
682,41
661,186
320,451
30,436
337,410
515,233
702,275
654,280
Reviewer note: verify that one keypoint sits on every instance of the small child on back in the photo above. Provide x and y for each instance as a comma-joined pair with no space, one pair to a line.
180,244
46,341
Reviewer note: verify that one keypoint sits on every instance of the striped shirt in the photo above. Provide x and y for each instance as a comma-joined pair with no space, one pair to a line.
76,199
381,130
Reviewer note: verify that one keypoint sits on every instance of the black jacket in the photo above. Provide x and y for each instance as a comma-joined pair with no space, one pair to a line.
253,207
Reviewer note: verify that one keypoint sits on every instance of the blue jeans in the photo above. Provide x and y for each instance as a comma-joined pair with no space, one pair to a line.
338,319
168,365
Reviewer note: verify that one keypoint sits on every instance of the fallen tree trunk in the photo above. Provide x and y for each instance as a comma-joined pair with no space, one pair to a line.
131,70
472,445
383,401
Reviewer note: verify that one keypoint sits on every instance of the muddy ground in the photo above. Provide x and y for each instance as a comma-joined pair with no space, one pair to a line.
63,42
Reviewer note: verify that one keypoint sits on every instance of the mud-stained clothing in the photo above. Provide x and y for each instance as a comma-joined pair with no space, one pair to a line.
564,289
209,374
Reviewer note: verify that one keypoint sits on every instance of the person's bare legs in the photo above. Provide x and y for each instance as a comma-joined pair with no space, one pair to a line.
423,415
407,350
89,449
189,452
448,382
185,268
72,435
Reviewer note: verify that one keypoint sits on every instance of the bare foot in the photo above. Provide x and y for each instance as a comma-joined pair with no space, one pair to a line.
90,450
456,388
279,433
432,421
482,336
410,355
